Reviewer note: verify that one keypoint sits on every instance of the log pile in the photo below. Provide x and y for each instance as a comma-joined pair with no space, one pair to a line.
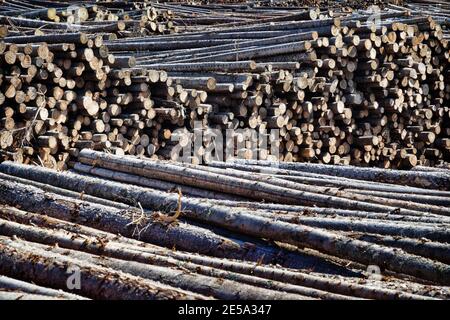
297,231
62,93
338,87
118,94
340,91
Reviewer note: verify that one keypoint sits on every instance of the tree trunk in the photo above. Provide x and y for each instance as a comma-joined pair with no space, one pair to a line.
414,179
187,280
282,210
155,228
132,250
223,183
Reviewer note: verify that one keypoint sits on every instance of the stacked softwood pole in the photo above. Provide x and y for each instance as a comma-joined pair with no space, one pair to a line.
218,277
355,97
348,101
86,86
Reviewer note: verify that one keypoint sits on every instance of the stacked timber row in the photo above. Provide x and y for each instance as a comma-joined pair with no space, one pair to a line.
303,231
288,4
339,90
62,93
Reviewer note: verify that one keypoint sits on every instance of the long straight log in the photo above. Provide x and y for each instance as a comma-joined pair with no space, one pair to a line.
214,284
19,295
67,193
327,179
291,210
372,197
433,250
155,184
415,179
223,183
151,228
421,199
208,286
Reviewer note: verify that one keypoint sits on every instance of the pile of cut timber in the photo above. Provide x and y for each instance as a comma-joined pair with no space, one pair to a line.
117,19
223,231
342,87
60,93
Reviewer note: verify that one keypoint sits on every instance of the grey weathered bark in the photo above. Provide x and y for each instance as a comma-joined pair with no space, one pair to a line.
98,245
150,227
409,178
412,202
324,178
281,210
20,295
436,233
67,193
244,222
50,269
223,183
417,198
154,183
128,249
422,247
188,280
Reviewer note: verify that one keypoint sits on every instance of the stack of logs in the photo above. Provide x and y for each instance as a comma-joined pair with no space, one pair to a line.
302,231
339,90
119,19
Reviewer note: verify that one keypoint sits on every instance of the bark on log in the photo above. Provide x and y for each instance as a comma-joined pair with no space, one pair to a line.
414,179
50,269
244,222
401,201
326,179
218,287
154,227
183,279
19,295
223,183
281,209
